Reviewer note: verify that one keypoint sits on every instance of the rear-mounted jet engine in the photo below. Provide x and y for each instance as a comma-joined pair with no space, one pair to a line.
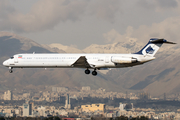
123,60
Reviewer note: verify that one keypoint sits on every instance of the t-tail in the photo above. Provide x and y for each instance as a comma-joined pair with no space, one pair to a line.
153,46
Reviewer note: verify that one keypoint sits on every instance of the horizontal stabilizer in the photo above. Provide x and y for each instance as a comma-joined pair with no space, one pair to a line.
161,41
153,46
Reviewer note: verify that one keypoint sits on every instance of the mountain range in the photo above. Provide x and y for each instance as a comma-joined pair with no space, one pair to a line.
156,77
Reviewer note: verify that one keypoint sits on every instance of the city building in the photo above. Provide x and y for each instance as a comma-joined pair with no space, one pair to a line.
59,89
8,95
27,109
93,107
127,106
86,88
121,106
67,103
144,96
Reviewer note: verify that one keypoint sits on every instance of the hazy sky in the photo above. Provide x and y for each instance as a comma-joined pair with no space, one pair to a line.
85,22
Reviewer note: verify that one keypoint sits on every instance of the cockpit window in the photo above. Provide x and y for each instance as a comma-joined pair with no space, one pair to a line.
11,57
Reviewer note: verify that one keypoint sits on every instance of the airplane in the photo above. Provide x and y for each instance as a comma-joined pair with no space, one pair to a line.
86,61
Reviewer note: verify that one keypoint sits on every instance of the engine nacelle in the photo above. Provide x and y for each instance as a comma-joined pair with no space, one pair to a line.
123,60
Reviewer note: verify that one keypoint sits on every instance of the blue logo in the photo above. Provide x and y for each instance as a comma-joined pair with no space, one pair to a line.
150,50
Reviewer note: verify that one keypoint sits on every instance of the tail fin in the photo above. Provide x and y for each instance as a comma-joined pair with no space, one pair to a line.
153,46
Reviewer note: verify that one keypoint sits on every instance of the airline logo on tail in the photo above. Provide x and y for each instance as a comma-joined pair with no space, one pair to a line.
153,46
150,50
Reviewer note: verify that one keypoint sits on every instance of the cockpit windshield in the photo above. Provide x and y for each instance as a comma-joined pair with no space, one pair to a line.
11,57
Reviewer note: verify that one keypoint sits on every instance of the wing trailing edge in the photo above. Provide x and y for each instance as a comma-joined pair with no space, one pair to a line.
81,62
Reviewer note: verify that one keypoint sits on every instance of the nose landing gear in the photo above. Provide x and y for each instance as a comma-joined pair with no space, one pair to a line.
10,70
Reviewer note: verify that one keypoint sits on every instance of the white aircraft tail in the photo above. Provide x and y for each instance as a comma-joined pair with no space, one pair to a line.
153,46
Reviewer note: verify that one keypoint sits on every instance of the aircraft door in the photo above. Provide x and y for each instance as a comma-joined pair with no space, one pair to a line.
107,59
15,59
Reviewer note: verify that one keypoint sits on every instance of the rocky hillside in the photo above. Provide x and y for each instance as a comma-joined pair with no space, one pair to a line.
156,77
119,47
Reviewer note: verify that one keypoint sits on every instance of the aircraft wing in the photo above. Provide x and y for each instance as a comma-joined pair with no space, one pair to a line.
82,62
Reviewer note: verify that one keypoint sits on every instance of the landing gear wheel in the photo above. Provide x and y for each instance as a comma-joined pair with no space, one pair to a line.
87,71
10,71
94,73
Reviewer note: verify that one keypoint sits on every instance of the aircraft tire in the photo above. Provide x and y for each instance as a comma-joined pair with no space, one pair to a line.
87,71
94,73
10,71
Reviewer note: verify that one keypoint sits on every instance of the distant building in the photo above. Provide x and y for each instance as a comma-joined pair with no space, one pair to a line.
67,103
54,89
59,89
164,96
144,96
121,106
27,109
86,88
100,90
127,106
42,111
93,107
26,95
8,95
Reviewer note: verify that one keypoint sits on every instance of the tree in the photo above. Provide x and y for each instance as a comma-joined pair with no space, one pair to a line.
140,118
56,118
2,118
144,118
121,118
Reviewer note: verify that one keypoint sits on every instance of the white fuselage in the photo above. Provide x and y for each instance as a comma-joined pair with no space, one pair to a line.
88,61
98,61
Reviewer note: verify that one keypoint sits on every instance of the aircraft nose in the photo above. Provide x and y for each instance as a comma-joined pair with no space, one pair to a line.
5,63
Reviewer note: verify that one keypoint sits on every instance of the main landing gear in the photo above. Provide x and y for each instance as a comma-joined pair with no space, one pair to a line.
94,73
87,71
10,70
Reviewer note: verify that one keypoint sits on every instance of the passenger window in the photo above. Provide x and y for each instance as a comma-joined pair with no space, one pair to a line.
12,57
